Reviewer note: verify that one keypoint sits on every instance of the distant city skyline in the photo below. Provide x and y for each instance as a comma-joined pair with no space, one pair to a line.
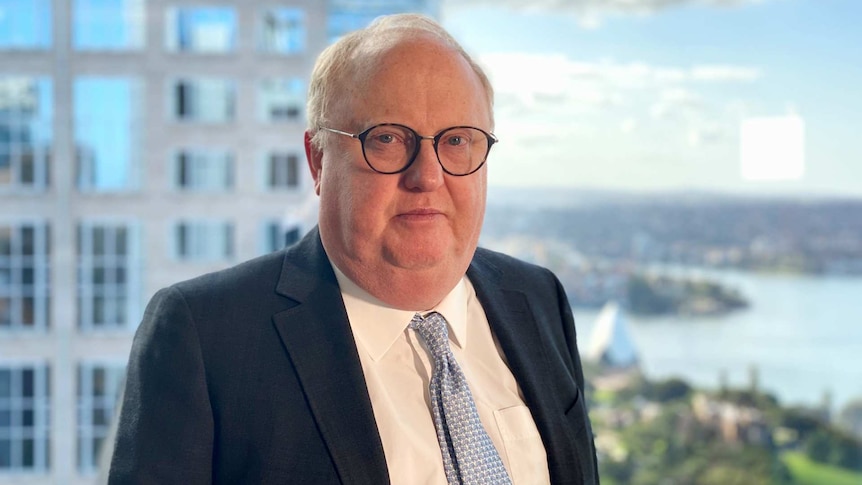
650,95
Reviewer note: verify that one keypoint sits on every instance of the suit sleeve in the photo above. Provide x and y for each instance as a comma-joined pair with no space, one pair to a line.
572,343
165,430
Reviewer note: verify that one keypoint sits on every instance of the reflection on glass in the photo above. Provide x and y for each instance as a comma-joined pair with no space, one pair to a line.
26,112
108,124
201,29
204,100
281,100
25,24
108,24
282,30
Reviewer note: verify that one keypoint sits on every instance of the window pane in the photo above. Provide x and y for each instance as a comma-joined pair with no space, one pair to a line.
27,384
5,453
204,100
108,24
281,100
25,24
282,31
99,385
108,119
283,171
24,294
5,383
201,29
204,169
107,276
203,241
26,116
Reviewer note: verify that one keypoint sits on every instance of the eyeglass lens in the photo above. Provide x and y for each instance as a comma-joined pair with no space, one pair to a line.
390,148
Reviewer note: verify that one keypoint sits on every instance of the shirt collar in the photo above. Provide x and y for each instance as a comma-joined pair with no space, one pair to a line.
377,325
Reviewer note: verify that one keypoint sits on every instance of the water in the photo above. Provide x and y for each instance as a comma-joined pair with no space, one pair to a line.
803,333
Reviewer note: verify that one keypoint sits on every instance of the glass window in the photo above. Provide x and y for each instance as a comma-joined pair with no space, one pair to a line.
281,100
204,100
25,24
26,112
24,417
277,235
203,240
99,387
206,170
109,24
201,29
108,275
24,285
282,30
282,170
108,126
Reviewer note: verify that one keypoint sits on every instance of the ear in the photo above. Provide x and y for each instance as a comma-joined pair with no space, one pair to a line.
315,161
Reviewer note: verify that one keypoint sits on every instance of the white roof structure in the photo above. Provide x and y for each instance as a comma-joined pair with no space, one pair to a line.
610,342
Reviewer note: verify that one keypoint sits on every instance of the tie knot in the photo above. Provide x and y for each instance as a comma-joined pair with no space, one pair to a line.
433,330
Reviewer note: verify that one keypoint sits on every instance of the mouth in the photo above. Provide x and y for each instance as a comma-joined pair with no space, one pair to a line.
420,214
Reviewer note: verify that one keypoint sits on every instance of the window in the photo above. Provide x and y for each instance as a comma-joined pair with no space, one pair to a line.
98,390
281,100
25,24
108,24
108,275
201,29
204,100
108,127
277,235
204,170
26,112
282,171
24,417
282,30
203,241
24,286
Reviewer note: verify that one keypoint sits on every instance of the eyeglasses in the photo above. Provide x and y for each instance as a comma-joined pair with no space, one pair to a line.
391,148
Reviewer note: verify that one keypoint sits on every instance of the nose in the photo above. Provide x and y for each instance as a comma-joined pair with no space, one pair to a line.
425,173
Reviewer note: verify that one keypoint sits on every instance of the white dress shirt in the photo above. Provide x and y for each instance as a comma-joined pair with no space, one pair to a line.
398,368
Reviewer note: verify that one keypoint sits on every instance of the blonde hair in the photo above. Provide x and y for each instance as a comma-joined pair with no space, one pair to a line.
347,60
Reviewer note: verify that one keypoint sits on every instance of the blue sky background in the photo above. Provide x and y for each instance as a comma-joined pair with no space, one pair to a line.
637,97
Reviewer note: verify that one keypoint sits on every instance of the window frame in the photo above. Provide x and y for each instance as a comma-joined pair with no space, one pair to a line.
18,407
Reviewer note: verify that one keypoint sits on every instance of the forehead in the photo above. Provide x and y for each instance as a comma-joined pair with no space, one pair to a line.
417,81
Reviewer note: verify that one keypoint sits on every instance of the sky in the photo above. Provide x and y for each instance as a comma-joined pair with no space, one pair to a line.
740,96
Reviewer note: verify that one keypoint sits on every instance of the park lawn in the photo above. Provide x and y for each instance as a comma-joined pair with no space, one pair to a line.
807,472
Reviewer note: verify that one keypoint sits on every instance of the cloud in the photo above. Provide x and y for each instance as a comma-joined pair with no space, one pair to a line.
590,12
554,82
725,73
676,103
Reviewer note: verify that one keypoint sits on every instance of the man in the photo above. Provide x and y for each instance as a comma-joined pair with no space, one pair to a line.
316,364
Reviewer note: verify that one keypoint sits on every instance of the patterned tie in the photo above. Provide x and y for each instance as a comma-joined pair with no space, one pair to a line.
469,456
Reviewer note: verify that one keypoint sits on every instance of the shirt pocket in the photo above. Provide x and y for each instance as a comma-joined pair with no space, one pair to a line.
528,462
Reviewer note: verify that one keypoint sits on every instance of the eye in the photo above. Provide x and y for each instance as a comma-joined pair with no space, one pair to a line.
384,138
455,140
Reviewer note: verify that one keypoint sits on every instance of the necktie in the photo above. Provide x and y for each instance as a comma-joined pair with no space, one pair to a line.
469,456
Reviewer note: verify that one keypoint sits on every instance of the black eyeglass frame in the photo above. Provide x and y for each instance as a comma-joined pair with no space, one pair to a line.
492,139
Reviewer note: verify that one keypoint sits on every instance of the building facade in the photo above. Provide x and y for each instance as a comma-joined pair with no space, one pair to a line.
141,143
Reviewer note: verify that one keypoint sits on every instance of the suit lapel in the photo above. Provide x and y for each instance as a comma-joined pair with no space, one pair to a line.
317,336
516,329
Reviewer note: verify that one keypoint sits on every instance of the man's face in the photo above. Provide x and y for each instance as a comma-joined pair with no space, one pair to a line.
378,228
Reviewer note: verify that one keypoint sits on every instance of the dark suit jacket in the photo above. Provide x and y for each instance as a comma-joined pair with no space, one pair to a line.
251,375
